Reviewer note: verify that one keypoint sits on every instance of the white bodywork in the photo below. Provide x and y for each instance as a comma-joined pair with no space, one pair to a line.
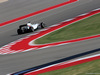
35,26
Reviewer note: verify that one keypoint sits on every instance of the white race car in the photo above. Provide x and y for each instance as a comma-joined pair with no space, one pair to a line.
29,27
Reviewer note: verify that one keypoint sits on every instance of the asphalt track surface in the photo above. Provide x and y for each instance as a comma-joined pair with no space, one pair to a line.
15,8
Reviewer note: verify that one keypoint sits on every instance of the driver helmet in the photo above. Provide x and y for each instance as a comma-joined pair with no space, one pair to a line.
29,24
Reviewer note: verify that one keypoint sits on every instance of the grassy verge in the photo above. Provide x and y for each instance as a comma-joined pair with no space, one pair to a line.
83,28
88,68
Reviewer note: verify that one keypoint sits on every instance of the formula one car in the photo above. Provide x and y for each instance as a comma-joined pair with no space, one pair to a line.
29,27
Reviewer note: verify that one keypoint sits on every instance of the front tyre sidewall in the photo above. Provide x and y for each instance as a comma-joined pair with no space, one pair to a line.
42,25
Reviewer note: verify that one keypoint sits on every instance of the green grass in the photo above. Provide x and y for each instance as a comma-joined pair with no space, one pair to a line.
81,69
87,27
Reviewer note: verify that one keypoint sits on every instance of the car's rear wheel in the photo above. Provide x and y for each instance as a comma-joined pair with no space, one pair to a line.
19,31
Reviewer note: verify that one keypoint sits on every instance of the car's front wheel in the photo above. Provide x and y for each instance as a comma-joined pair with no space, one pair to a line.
42,25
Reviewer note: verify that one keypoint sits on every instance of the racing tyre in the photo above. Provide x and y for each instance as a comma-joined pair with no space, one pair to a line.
19,31
31,29
42,25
